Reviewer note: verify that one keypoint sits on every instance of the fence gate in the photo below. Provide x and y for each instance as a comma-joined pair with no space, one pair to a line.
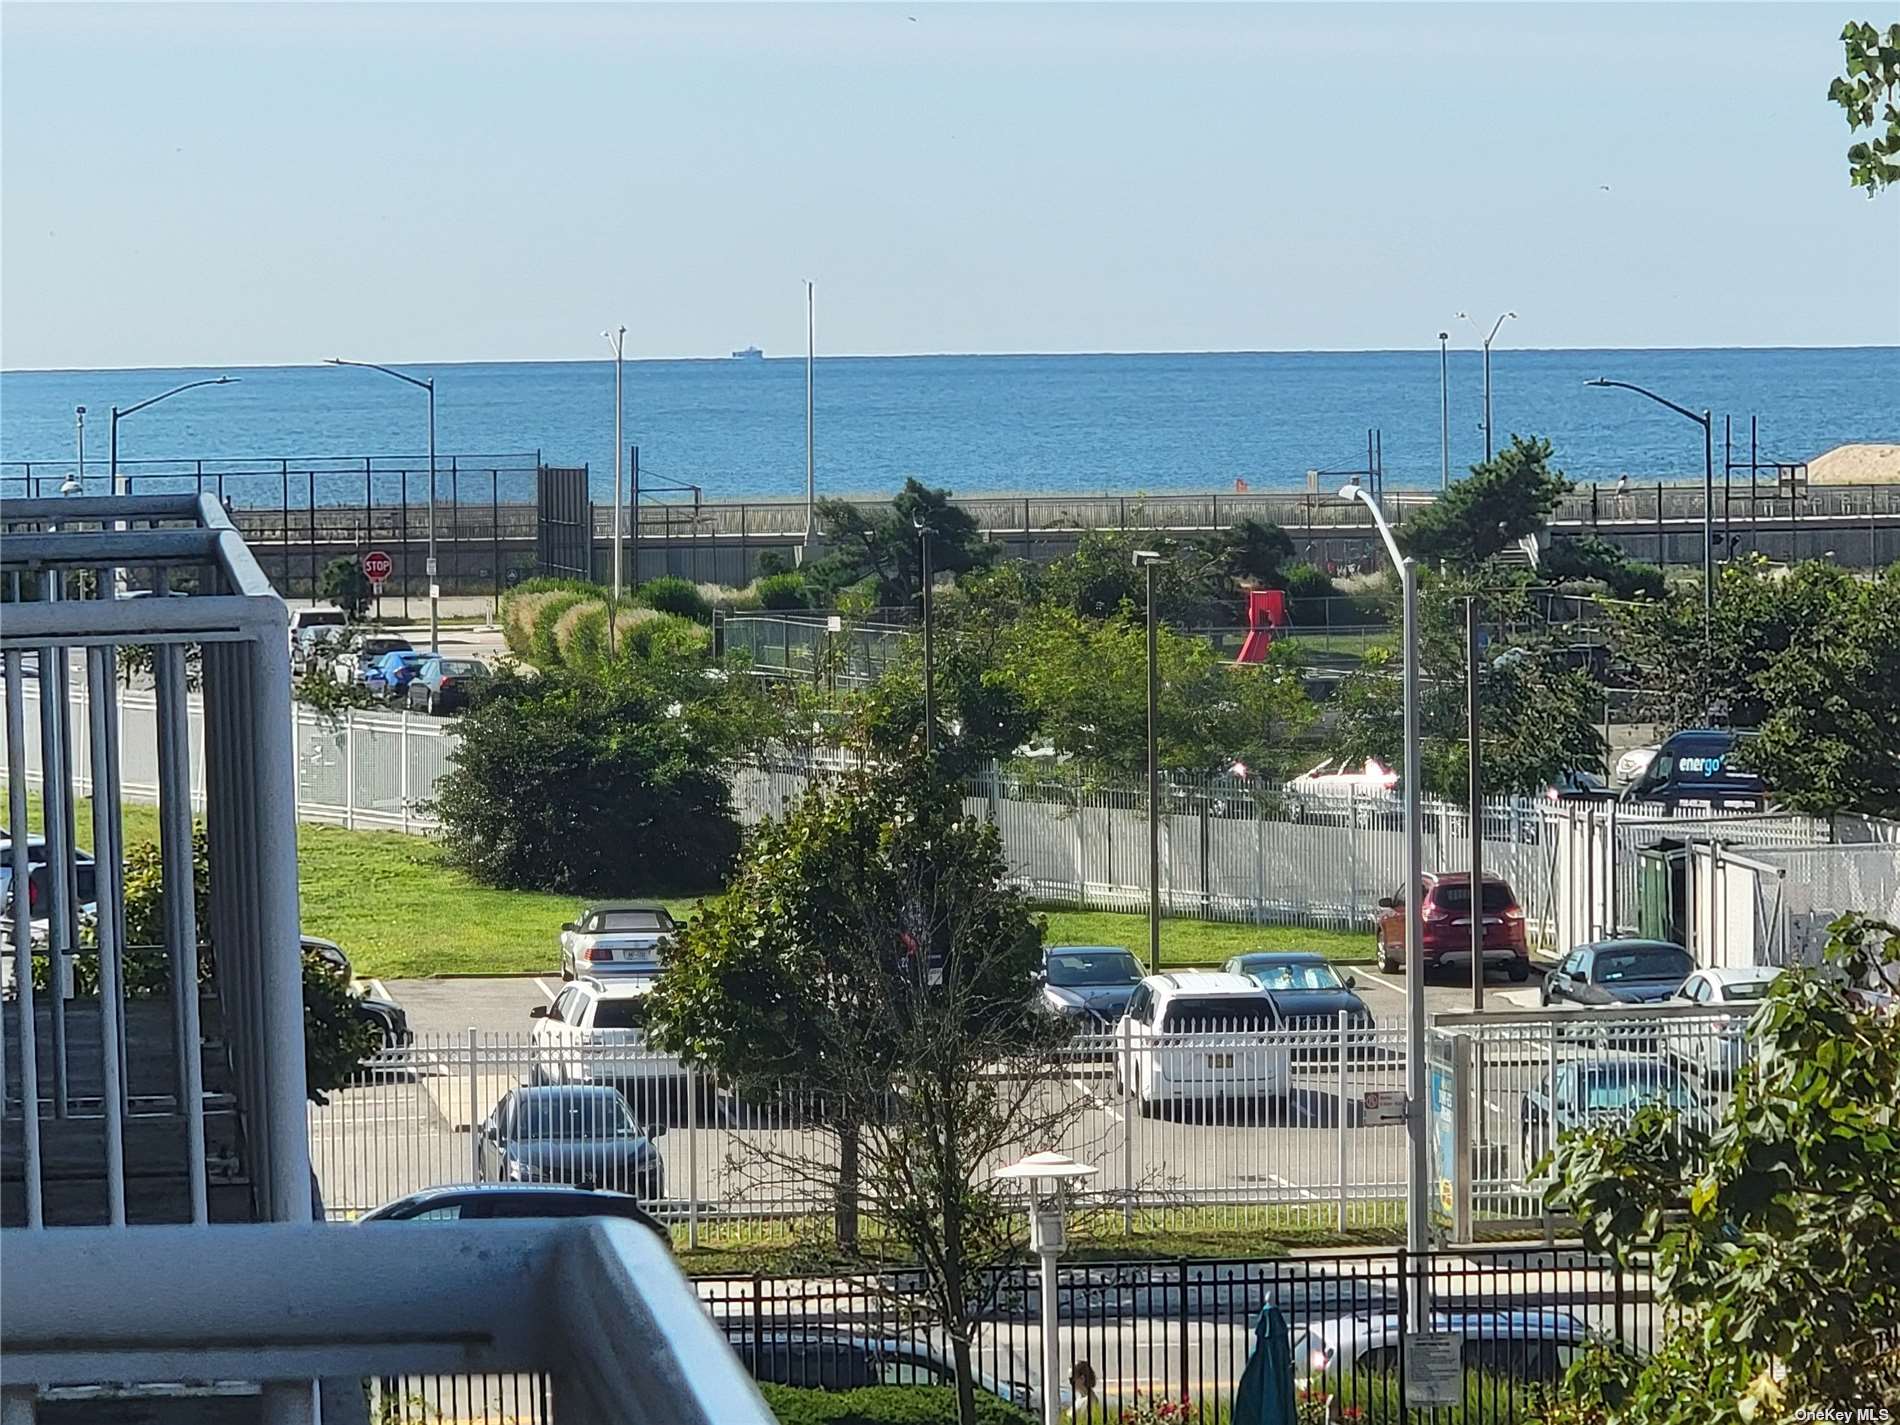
564,523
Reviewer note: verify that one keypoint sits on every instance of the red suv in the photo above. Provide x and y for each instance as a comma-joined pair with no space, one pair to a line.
1445,937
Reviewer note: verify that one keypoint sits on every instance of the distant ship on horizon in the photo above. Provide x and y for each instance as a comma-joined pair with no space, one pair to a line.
748,353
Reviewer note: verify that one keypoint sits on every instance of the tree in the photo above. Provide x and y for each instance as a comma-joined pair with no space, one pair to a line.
344,584
1498,503
592,785
1869,96
1806,655
883,544
869,952
1252,550
1540,716
1781,1279
1587,557
1100,580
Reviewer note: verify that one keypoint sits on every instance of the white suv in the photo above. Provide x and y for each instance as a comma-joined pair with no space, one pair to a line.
1201,1034
595,1033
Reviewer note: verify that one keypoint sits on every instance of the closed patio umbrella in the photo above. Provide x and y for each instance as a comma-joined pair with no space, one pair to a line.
1265,1395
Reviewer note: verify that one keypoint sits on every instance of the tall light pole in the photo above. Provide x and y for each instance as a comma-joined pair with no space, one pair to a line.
811,483
435,590
1419,1166
1444,413
1487,372
79,438
1147,560
924,532
617,339
112,436
1707,421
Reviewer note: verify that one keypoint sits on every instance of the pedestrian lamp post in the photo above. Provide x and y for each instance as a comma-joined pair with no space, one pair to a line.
1418,1170
1050,1177
1707,421
1147,560
435,589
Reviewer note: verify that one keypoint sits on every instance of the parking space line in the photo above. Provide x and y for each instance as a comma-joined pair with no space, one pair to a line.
1394,985
545,990
1301,1188
1088,1092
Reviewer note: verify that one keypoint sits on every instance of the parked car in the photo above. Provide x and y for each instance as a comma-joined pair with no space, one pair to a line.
1089,984
373,1003
1696,770
595,1033
354,665
1200,1034
1711,1054
392,674
444,684
1307,991
1445,935
315,647
581,1134
315,616
1610,972
616,939
1606,1088
828,1358
39,892
1523,1345
487,1201
1577,786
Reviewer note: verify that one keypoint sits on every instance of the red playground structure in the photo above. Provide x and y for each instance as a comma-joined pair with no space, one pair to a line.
1266,611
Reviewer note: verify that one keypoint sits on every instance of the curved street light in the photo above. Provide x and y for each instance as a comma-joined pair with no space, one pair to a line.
1487,340
112,438
1707,421
426,383
1418,1173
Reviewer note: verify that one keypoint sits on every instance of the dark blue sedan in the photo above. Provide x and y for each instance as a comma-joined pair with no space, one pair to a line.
1305,988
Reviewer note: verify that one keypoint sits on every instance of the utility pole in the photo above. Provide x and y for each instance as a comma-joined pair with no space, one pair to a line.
618,340
1146,560
1444,412
1487,372
1476,761
811,480
924,533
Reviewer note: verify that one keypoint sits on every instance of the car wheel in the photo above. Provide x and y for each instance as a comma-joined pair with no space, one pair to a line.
1543,994
432,704
1520,972
1385,959
1530,1148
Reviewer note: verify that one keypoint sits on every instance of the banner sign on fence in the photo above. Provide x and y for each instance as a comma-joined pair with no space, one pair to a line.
1434,1368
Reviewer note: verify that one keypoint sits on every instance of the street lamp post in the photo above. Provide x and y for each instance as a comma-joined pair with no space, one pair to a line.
1487,373
1050,1176
1707,421
618,340
1418,1169
1147,560
924,533
1444,413
435,590
112,431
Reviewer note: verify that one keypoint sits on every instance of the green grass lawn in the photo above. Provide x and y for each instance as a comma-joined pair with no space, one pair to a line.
389,900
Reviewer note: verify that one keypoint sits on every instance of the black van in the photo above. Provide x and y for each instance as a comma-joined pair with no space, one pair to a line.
1695,770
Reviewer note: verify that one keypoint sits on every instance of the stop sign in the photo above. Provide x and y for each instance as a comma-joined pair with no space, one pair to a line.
377,566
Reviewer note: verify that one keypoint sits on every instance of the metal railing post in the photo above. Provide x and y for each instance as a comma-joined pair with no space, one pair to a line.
349,769
1129,1116
26,1039
1342,1117
108,867
692,1156
474,1123
403,754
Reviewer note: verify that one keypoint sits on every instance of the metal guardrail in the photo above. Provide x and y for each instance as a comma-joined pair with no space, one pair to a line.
282,1305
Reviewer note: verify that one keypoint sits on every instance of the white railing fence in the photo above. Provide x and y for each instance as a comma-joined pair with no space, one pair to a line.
1198,1127
356,769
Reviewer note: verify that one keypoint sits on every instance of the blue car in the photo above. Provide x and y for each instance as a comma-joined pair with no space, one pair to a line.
391,675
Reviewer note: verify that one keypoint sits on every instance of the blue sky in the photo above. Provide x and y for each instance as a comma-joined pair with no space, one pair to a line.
203,184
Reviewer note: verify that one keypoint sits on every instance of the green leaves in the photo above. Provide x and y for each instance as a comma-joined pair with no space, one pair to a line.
1499,502
1866,98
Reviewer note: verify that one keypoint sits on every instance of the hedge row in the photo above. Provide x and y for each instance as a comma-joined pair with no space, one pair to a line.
884,1405
563,623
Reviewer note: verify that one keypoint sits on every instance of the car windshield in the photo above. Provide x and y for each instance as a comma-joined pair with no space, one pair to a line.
462,668
1647,962
1746,990
572,1115
1294,977
320,618
630,920
1195,1016
619,1014
1093,967
1631,1086
1457,897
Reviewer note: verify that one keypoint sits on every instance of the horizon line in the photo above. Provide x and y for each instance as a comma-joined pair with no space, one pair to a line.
799,357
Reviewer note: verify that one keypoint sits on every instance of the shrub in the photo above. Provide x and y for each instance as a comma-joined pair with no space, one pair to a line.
784,591
672,595
580,636
773,562
1593,558
659,636
1307,588
542,649
585,785
520,604
345,584
884,1405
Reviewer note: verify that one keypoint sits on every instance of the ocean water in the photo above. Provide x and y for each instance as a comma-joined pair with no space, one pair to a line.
992,424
